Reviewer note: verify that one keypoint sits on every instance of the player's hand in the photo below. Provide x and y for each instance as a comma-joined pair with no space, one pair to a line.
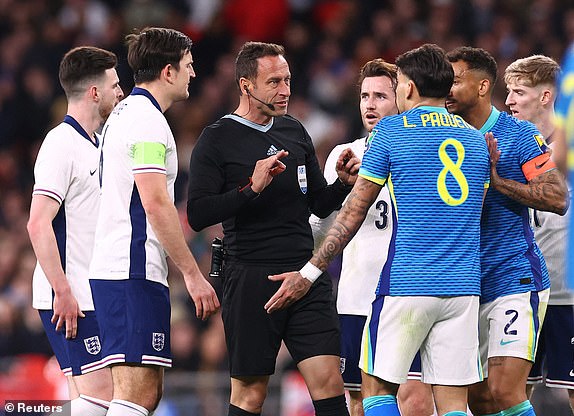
293,288
203,295
266,169
347,167
494,154
493,151
66,313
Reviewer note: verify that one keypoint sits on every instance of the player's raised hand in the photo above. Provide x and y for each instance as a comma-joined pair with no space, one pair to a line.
66,313
493,151
293,288
266,169
347,167
203,295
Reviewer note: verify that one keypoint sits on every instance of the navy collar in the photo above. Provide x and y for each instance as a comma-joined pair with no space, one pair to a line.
146,93
68,119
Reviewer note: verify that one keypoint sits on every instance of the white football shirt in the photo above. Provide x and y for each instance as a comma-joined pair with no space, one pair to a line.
135,139
66,170
366,253
550,233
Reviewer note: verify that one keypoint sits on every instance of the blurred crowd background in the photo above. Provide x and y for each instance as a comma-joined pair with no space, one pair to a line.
327,42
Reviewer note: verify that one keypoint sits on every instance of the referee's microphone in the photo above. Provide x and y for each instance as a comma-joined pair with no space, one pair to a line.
269,105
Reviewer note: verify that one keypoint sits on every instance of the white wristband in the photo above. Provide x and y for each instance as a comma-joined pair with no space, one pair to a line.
310,272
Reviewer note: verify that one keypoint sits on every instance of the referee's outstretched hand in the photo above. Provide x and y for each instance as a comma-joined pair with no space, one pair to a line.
293,288
266,169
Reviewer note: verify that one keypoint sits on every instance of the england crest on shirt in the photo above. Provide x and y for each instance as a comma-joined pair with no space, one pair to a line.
158,341
93,345
302,178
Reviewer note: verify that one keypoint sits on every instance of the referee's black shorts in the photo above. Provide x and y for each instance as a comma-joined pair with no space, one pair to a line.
309,327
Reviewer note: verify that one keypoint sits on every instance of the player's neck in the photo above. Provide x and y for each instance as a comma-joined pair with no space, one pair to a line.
478,115
159,92
429,102
88,118
546,126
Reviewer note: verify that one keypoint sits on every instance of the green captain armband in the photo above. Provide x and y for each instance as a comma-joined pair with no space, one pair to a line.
148,153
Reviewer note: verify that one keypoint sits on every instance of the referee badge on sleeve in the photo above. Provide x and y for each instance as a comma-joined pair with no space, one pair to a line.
302,178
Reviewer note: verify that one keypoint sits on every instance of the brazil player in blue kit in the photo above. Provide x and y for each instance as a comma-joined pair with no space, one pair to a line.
515,283
436,167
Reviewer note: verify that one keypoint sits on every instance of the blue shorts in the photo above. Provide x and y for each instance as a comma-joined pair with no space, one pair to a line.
351,334
79,355
555,356
134,316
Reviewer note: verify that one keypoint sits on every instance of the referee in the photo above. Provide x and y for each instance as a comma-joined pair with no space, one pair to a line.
256,171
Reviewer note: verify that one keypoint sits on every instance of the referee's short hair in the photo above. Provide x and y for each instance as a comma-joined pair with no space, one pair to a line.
246,61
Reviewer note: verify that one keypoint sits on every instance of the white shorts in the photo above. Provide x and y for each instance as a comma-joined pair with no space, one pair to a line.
510,326
444,329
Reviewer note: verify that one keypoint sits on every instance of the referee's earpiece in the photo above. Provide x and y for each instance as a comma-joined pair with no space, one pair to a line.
246,89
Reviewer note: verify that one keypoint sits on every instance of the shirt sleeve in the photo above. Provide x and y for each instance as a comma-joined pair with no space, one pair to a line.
206,205
533,152
53,169
148,147
376,161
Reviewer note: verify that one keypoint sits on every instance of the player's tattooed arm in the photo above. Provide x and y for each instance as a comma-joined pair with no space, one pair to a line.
546,192
294,284
347,223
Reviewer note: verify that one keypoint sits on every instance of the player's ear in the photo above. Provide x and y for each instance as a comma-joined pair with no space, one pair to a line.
483,87
94,94
167,72
411,87
546,97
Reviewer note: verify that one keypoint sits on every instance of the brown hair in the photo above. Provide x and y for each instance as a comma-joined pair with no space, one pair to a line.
246,61
151,49
82,65
379,68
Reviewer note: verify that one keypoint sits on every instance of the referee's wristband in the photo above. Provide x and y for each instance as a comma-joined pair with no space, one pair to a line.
310,272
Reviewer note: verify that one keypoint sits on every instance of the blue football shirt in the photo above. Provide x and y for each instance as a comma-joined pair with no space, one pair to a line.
511,261
437,167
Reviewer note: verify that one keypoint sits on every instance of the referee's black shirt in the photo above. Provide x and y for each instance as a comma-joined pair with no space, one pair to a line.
272,228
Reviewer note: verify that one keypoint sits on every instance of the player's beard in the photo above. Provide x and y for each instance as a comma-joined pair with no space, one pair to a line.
106,110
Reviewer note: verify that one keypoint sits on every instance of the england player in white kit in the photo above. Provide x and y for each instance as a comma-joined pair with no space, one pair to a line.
65,204
365,255
531,85
138,225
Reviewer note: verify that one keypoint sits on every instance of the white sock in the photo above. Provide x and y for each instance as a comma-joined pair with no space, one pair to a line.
124,408
88,406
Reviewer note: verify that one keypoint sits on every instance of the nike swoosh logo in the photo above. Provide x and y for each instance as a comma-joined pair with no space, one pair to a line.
539,166
571,373
92,172
503,342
